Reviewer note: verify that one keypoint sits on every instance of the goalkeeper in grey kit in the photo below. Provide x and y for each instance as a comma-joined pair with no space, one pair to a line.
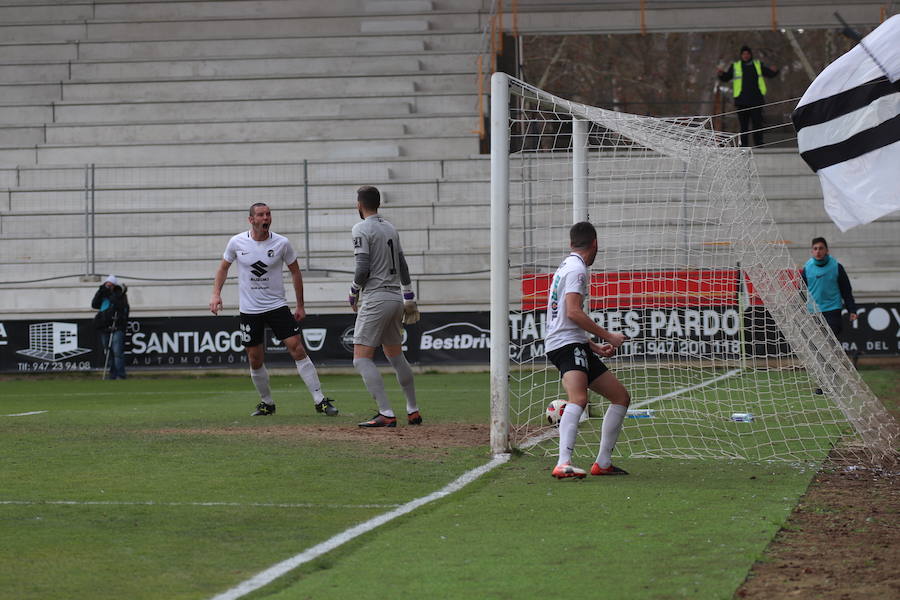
381,295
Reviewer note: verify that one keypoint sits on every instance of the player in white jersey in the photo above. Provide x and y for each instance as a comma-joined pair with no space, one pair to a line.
569,347
261,255
381,295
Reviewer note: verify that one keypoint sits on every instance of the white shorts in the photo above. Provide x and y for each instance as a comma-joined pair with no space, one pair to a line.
379,322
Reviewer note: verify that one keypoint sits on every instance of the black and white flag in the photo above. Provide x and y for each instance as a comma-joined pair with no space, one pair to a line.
848,129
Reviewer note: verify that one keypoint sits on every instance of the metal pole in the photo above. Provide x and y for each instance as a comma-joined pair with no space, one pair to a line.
93,224
109,344
499,263
306,209
742,306
87,220
528,252
579,171
683,226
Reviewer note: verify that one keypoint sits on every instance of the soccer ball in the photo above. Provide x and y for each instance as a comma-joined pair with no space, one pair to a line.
555,411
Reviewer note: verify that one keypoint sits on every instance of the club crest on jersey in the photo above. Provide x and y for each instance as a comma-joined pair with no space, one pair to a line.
270,253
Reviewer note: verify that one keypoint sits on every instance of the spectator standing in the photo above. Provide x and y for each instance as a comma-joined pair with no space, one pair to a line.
749,85
111,302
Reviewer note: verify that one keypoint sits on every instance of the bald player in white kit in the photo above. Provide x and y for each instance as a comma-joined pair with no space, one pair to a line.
261,255
381,296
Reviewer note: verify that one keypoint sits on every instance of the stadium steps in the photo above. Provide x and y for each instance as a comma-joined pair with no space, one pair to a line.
540,17
238,27
218,48
25,11
176,297
455,190
212,176
329,228
50,150
107,112
799,186
449,203
187,89
232,67
189,257
361,126
238,152
195,63
201,153
214,213
441,205
795,201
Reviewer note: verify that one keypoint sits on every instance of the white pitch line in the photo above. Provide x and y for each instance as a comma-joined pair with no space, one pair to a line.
731,373
272,573
554,432
25,414
214,504
539,437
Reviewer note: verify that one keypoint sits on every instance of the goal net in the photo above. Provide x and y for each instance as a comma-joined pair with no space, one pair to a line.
722,358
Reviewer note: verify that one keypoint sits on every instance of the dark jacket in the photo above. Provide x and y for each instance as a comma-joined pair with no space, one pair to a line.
750,94
112,307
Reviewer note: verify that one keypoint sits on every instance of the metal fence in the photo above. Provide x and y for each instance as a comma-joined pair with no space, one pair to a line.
167,223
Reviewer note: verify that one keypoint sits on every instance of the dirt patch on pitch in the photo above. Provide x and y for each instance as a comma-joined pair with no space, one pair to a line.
436,435
840,542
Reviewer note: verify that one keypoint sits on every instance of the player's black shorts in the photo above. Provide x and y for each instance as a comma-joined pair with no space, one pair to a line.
281,321
577,357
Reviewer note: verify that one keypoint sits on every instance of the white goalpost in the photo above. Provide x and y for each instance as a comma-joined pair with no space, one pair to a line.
722,358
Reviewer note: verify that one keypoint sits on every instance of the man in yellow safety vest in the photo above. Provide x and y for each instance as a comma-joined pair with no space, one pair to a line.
747,77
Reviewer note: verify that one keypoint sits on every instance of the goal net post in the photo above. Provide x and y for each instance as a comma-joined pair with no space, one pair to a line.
723,357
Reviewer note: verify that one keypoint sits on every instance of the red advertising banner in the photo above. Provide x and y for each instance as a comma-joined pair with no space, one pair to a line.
653,289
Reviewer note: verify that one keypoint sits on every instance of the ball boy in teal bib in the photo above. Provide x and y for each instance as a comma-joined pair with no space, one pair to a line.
829,287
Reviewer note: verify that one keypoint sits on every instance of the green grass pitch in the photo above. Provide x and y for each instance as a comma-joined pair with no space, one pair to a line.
165,488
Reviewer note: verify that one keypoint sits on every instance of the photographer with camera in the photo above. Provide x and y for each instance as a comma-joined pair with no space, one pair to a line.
111,302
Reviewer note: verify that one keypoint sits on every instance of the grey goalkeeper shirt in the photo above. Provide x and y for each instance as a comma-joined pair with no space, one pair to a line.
380,264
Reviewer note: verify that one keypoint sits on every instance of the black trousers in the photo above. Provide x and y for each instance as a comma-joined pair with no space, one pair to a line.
750,118
834,320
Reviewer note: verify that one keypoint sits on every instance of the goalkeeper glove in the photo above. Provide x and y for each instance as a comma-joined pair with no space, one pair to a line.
410,309
354,297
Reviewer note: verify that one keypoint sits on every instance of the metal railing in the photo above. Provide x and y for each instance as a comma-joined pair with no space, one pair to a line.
171,223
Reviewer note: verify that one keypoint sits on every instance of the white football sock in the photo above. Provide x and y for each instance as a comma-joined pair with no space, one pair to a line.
612,425
260,379
374,383
310,377
406,381
568,429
